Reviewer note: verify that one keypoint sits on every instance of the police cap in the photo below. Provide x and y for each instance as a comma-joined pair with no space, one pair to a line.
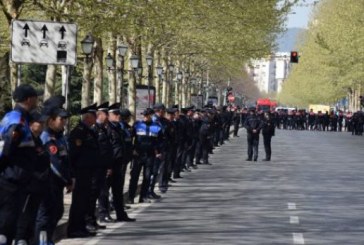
148,111
171,110
252,108
89,109
115,108
37,117
159,107
23,92
125,113
55,101
104,107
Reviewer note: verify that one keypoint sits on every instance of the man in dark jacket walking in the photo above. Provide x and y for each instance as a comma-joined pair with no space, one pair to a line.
268,133
253,125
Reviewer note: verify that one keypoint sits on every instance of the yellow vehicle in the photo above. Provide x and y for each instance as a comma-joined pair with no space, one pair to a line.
317,108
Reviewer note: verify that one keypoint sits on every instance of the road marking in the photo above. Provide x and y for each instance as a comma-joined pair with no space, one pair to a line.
112,228
292,206
294,220
298,238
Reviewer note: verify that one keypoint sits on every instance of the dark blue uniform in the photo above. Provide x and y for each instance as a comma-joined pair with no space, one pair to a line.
52,207
85,158
253,125
18,161
146,146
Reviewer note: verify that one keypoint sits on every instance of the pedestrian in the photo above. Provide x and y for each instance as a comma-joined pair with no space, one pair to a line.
268,132
18,158
253,125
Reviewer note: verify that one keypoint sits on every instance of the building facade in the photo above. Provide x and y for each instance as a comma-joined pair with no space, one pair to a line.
269,73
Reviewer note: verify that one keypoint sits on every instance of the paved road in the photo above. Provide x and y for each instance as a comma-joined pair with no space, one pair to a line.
311,193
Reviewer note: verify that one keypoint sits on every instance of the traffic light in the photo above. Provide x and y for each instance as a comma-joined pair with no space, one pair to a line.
294,57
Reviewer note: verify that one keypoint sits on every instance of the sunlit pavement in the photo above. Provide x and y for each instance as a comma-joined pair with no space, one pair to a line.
312,192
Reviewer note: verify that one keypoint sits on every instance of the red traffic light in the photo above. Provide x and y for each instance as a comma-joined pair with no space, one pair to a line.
294,57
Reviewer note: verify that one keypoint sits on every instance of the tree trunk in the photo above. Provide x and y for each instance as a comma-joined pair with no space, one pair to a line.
50,81
165,94
99,71
131,88
111,71
86,83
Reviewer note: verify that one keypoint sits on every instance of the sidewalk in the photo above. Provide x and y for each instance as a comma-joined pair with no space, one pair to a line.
61,231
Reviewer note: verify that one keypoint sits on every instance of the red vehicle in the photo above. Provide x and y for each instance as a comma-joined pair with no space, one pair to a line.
264,104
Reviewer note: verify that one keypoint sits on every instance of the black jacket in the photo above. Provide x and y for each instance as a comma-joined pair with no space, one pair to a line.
84,148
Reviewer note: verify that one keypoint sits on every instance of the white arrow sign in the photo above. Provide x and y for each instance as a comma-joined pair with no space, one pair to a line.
40,42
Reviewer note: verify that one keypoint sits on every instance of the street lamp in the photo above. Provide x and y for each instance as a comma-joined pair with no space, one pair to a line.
171,68
179,76
149,60
134,59
109,61
159,70
87,45
122,48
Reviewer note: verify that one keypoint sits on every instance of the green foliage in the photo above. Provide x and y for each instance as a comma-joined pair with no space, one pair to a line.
332,55
222,34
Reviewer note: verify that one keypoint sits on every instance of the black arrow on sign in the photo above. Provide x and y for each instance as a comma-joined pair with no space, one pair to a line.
62,31
44,30
26,29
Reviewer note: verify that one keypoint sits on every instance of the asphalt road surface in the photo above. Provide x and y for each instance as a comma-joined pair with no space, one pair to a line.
312,192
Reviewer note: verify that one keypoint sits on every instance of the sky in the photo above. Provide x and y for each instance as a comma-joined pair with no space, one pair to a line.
303,12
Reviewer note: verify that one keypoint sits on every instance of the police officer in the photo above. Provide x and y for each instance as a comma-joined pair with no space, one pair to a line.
236,120
117,138
184,131
268,133
85,158
159,163
106,151
36,188
253,125
101,170
204,135
170,149
128,136
18,158
52,207
146,149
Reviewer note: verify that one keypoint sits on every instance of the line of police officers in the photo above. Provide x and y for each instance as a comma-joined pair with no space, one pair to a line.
328,121
38,162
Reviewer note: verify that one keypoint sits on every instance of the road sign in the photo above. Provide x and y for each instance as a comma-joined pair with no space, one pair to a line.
40,42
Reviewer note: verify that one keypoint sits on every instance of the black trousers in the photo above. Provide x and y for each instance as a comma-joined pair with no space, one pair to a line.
51,208
236,128
144,162
179,158
97,184
253,144
117,189
267,145
26,222
104,203
11,204
157,168
81,198
171,160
